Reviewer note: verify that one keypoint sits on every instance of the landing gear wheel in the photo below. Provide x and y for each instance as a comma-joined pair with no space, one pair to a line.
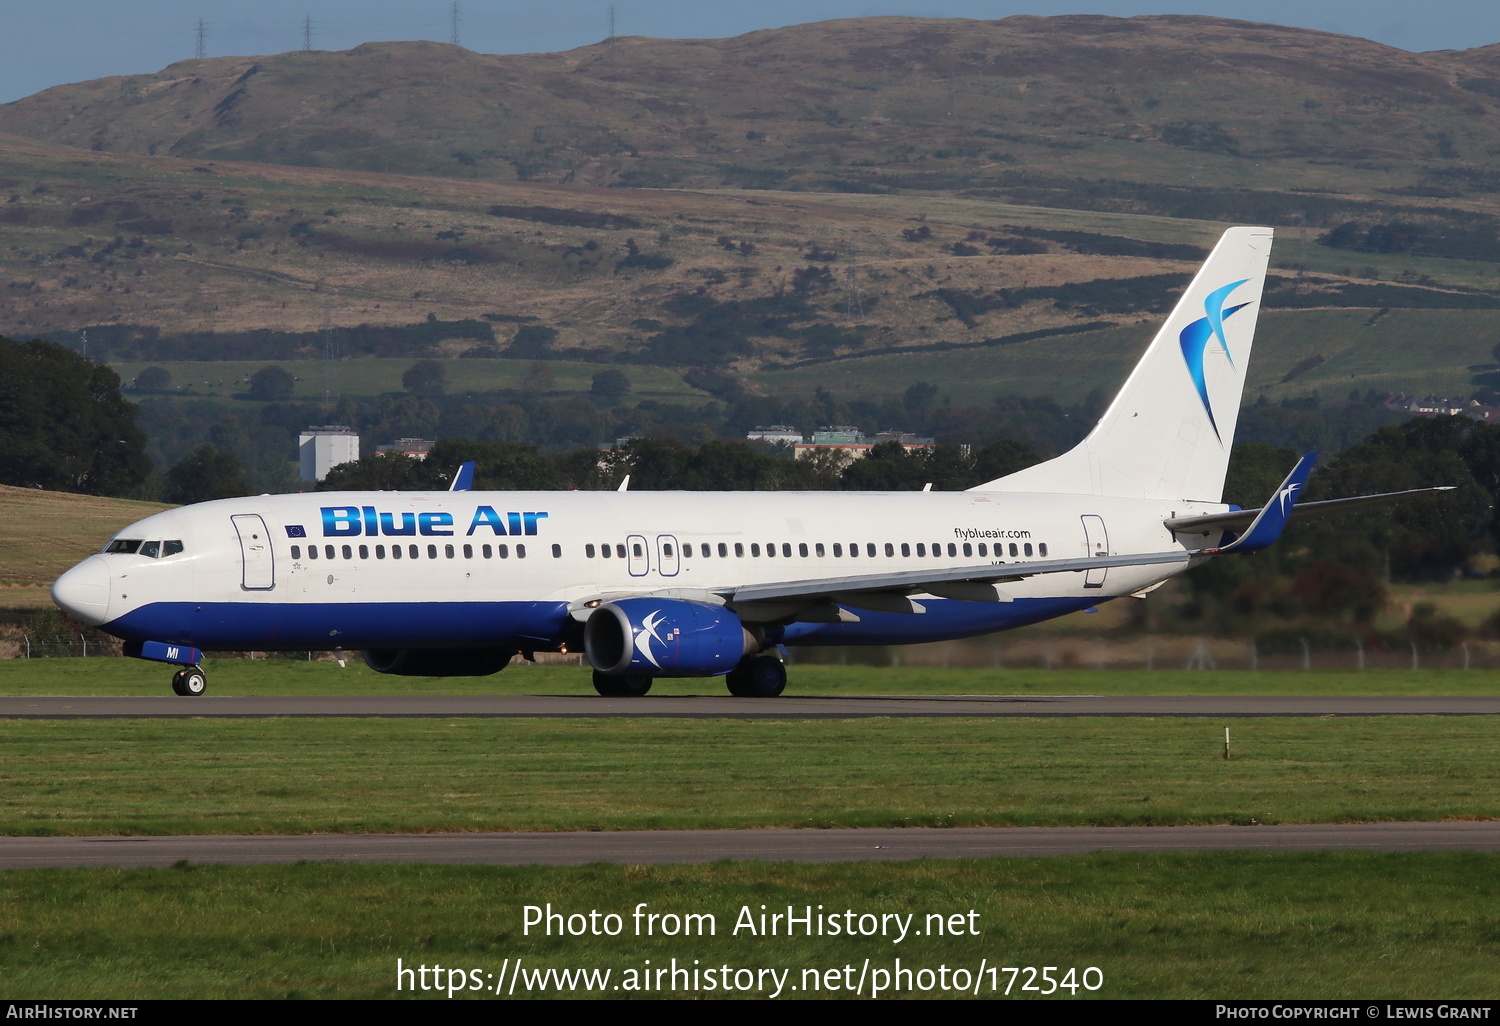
627,686
762,676
189,683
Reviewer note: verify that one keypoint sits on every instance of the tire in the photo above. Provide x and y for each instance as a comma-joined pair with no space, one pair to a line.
761,676
189,683
626,686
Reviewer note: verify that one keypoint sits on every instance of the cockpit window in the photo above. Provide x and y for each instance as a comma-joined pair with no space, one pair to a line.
151,549
123,545
170,548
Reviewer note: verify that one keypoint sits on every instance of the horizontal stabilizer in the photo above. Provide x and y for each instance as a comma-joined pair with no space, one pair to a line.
1239,518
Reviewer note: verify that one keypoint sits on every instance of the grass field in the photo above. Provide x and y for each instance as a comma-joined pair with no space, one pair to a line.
86,777
108,676
1233,925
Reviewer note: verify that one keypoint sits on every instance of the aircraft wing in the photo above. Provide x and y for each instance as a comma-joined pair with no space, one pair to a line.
887,592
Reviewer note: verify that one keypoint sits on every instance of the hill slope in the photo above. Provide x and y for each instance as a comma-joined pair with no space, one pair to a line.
873,103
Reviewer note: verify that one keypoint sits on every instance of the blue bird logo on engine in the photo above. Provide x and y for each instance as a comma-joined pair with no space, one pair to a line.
1195,338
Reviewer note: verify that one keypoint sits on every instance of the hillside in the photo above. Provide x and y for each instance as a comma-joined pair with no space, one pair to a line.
870,201
874,103
44,533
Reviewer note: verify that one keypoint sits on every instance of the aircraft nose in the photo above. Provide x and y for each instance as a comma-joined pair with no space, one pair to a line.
83,592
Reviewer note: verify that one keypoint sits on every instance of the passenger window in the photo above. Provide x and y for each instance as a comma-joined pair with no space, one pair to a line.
635,550
348,552
705,549
921,549
687,549
838,550
723,549
853,549
296,551
486,551
1013,550
1041,549
503,551
905,549
556,551
328,551
1028,548
755,548
890,550
620,551
312,552
170,548
413,552
588,550
968,549
739,550
952,549
605,551
870,549
468,552
666,550
818,548
983,549
431,551
448,551
395,551
786,549
520,551
364,552
380,552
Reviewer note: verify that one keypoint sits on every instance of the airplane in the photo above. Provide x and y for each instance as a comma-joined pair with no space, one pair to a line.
706,584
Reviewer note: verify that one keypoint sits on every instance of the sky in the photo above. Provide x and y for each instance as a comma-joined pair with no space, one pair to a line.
46,44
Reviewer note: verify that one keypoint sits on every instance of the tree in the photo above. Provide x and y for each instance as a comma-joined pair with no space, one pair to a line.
531,342
154,379
611,383
205,473
64,425
272,383
425,377
385,471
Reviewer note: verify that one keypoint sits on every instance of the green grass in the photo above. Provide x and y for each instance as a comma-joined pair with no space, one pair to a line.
1223,925
377,375
110,676
86,777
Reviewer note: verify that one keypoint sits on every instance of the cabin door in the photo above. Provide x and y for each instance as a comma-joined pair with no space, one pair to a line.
255,550
1096,540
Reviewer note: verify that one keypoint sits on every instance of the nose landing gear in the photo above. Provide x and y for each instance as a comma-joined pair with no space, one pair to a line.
189,682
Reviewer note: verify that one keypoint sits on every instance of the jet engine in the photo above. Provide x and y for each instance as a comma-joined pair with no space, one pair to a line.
665,638
437,662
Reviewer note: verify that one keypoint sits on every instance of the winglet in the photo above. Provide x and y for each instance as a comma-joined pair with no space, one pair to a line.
1268,525
463,481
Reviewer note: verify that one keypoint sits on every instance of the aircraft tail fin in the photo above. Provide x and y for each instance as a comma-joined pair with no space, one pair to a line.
1169,430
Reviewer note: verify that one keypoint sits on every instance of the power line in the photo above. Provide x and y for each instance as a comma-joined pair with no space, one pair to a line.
307,32
201,50
454,39
611,24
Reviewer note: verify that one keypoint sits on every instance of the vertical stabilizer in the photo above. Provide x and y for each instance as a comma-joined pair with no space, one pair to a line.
1168,433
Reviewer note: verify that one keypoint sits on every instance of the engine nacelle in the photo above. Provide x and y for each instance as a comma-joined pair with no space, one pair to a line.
437,662
665,638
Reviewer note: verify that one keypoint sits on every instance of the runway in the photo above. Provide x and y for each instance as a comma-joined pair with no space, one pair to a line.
725,707
640,847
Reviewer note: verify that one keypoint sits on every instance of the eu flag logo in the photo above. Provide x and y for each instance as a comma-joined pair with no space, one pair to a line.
295,531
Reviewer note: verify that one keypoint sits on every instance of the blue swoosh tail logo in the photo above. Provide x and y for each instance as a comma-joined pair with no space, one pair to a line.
1195,337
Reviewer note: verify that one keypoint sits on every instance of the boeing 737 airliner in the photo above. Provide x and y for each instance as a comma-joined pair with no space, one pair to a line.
700,584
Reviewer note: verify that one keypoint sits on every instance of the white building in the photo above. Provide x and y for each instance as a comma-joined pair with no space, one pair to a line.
320,449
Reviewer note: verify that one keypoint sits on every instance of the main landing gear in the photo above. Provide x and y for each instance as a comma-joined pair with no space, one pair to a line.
761,676
189,682
630,685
